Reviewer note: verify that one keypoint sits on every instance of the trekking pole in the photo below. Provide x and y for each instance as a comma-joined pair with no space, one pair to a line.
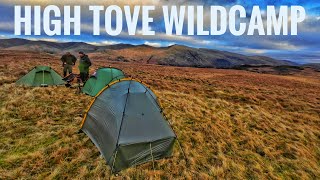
79,87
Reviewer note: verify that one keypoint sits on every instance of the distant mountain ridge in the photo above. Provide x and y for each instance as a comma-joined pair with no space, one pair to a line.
175,55
315,66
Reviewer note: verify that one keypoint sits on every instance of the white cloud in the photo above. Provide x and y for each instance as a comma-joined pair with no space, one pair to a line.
255,51
286,46
87,28
103,43
95,43
109,42
206,42
7,26
152,44
44,39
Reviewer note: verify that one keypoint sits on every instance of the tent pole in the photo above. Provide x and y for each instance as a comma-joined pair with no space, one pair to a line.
124,110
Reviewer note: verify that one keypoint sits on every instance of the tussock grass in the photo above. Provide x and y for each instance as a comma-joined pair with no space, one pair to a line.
232,124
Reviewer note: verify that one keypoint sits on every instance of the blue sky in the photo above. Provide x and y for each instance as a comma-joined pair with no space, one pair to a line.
304,48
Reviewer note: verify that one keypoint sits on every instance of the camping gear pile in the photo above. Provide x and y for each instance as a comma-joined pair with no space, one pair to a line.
125,120
70,78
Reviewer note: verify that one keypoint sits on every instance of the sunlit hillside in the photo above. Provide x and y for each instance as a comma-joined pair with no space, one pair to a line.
231,124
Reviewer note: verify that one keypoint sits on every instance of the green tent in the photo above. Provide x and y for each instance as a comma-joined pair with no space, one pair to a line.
101,78
41,76
126,124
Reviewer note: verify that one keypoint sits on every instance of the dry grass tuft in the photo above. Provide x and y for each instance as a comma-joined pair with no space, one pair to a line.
232,124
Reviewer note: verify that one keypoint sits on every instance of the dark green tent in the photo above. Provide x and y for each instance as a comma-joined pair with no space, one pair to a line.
126,124
101,78
41,76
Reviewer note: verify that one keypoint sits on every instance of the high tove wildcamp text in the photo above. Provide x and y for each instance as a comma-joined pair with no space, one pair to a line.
177,20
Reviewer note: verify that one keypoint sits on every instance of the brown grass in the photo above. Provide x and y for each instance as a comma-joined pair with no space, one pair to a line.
232,124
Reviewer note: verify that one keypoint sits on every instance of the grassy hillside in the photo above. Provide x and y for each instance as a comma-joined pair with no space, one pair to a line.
232,124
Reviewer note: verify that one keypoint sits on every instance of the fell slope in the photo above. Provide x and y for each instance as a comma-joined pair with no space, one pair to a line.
174,55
